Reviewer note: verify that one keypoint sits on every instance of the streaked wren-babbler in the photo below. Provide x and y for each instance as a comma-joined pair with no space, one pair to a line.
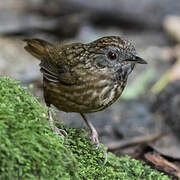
84,78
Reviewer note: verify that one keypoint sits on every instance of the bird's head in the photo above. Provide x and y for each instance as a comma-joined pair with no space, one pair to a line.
114,53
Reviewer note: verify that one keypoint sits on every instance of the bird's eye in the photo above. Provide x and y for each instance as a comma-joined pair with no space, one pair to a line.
111,55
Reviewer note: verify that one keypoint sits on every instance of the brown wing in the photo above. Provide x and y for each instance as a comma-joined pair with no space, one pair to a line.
53,61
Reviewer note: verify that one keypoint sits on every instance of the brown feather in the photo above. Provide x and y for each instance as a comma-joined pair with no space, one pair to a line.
38,48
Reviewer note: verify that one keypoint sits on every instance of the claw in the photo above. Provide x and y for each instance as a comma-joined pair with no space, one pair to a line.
61,132
105,156
95,140
94,137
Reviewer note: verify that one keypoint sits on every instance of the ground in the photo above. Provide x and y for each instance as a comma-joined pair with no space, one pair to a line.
30,150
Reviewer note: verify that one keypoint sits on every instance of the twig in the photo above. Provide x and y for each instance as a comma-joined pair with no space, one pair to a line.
162,164
133,141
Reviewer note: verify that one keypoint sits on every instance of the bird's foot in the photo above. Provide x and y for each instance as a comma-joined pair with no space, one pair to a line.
95,140
94,137
61,132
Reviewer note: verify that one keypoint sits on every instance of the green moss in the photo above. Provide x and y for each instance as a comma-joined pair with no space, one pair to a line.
30,150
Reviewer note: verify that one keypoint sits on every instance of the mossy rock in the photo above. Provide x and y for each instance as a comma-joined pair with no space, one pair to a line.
30,150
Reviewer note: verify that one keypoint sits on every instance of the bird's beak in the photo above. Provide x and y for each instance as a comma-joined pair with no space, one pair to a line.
136,59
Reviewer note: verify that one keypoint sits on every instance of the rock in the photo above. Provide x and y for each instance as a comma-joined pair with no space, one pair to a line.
136,116
167,106
30,17
32,14
146,13
171,25
175,71
15,62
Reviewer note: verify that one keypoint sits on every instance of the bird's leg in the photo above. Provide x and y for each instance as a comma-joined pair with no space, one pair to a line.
94,134
61,132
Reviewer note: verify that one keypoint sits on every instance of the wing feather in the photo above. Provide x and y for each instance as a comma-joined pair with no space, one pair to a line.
54,64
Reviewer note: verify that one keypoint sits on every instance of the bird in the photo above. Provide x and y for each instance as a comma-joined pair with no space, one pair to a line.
84,78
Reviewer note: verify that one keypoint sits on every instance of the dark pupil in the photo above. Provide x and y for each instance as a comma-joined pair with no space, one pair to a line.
111,55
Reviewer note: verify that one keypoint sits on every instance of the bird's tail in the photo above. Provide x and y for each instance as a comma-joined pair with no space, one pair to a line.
38,48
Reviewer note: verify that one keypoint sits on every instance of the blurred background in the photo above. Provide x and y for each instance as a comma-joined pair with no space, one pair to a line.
150,104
